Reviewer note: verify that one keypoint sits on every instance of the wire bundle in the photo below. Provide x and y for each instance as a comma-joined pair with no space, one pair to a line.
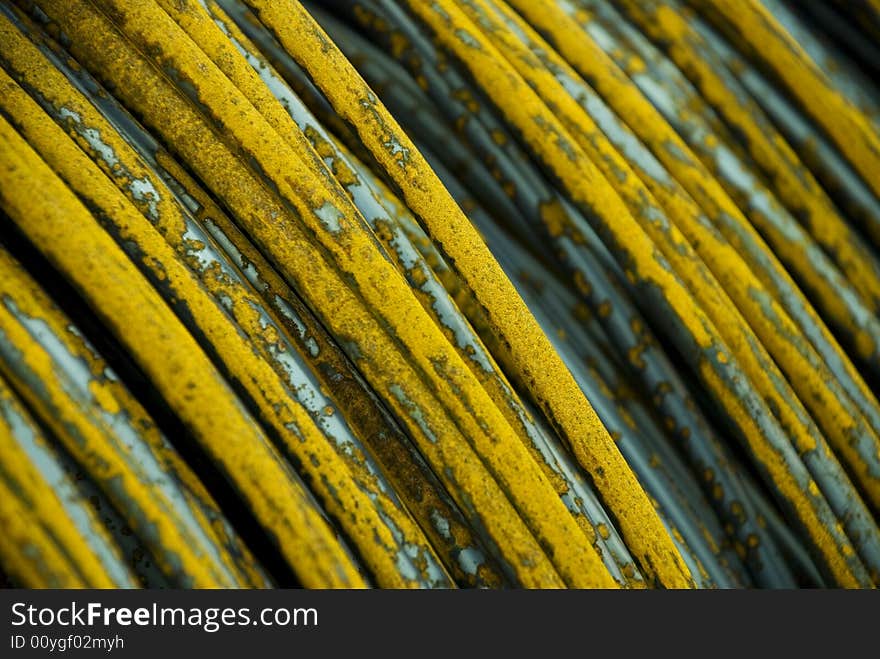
476,293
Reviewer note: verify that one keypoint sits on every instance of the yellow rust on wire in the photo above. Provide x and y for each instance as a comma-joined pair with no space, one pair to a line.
562,153
789,178
24,484
759,312
489,374
343,500
668,225
330,476
794,185
113,397
45,210
76,426
834,555
421,498
524,345
28,552
755,31
328,213
806,371
278,231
